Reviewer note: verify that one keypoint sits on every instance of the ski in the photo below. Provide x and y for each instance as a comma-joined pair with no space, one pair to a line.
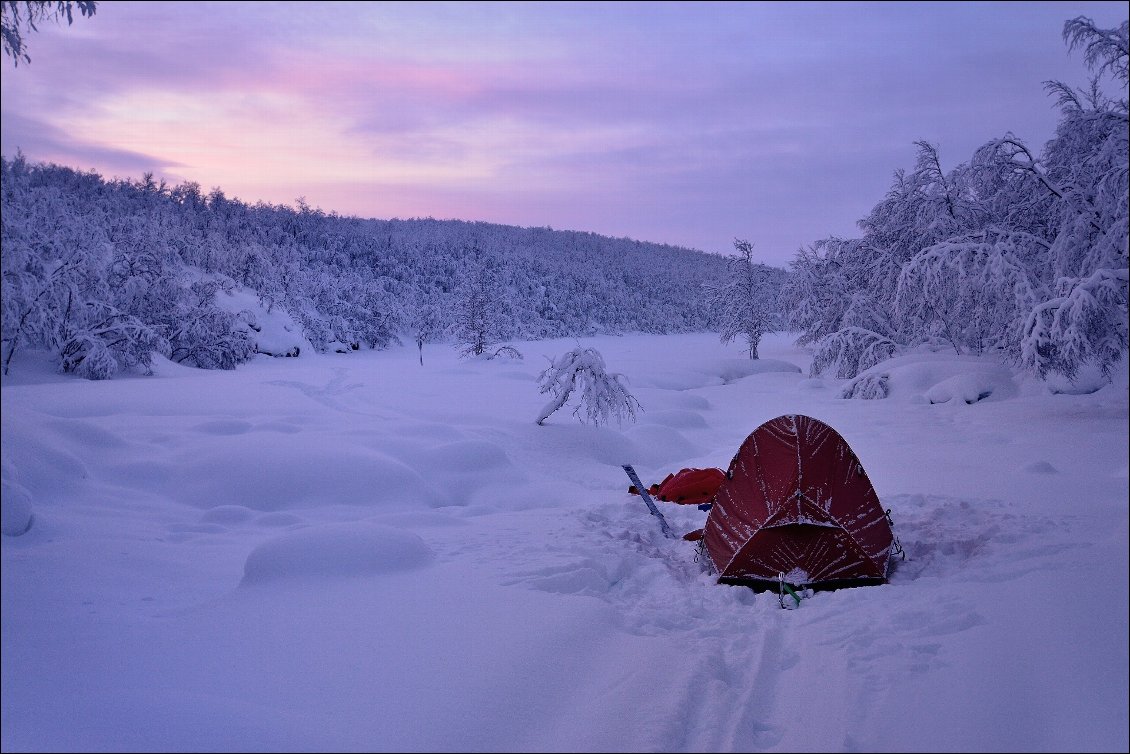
647,499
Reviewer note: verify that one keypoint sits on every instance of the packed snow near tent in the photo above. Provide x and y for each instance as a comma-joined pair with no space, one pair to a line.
357,552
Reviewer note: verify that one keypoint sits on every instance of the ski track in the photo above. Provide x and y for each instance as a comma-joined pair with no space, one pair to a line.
736,648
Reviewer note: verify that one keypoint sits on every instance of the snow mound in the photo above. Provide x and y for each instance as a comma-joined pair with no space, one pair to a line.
729,370
336,550
569,442
712,372
659,445
966,388
656,399
277,472
467,456
934,378
15,502
676,418
38,449
275,332
1090,379
455,470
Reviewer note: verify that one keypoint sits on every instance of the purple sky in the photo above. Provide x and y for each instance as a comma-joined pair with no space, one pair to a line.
678,123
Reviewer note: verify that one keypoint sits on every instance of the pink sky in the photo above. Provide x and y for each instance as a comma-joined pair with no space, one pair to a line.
688,124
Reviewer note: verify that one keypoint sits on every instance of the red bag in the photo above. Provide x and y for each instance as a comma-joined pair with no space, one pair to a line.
691,486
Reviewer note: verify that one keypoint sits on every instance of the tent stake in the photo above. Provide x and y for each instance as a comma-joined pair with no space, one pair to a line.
783,587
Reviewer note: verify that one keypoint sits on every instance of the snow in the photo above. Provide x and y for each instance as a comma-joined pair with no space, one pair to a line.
937,377
359,553
275,332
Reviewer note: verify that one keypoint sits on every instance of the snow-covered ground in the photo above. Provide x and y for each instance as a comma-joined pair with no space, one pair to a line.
357,552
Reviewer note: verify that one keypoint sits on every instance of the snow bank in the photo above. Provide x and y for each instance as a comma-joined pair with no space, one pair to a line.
335,550
934,378
271,471
707,372
15,501
275,332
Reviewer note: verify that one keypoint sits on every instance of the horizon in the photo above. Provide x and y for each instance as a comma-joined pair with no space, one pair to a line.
689,126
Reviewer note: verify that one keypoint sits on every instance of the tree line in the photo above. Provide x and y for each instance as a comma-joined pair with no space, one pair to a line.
104,273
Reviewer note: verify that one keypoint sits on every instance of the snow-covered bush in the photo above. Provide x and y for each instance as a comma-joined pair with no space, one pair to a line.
868,387
1086,325
603,396
850,351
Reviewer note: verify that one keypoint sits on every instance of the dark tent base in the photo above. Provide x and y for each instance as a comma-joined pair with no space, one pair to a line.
772,585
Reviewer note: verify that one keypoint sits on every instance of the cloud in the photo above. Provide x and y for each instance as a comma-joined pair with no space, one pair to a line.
42,142
682,123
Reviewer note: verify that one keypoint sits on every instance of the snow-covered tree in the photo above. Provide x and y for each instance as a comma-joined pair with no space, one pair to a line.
1015,253
1086,325
136,248
1083,179
426,326
973,292
203,335
1103,49
98,342
831,286
481,315
745,304
603,395
849,351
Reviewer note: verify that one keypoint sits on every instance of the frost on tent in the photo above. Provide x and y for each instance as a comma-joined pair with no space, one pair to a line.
603,395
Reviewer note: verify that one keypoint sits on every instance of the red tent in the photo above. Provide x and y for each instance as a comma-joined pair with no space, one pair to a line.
796,501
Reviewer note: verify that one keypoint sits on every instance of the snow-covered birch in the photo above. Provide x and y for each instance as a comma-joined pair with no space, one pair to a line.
603,396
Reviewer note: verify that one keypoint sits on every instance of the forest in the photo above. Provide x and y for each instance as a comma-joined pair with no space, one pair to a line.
104,273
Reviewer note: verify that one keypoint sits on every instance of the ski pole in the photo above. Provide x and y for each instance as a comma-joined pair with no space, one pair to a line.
647,499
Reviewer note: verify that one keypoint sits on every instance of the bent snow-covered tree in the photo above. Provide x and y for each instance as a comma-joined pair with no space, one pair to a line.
603,396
